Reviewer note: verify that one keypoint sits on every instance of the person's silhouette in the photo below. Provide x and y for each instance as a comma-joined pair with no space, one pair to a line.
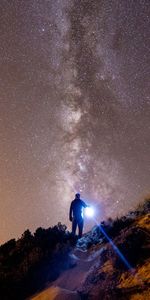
75,214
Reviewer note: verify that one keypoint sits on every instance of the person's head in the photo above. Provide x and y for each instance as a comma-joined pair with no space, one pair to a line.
77,196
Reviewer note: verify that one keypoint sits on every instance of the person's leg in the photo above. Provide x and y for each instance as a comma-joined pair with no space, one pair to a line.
80,225
74,226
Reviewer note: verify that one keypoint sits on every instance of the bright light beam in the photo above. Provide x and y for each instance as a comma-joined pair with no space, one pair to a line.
127,264
89,212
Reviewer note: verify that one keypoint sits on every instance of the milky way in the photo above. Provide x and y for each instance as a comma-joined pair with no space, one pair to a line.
74,109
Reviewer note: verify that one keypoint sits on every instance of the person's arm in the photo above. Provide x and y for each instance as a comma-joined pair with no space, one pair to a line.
84,204
70,213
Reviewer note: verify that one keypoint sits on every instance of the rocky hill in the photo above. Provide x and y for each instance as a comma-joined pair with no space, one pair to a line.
112,261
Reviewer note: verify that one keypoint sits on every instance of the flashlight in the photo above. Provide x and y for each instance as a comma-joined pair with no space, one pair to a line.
89,211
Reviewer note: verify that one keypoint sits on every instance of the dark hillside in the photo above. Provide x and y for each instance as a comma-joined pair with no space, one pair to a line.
92,265
28,264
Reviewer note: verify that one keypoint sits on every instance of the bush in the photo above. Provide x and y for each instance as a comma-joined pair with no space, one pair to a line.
33,260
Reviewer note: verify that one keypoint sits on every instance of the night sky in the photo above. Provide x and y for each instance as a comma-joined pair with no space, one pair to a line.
74,109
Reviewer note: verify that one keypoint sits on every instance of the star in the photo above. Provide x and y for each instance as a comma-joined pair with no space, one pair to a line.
74,110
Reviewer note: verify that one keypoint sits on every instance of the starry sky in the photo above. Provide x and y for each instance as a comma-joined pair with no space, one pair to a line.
74,109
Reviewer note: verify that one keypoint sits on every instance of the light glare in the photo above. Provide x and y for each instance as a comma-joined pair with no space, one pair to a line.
89,212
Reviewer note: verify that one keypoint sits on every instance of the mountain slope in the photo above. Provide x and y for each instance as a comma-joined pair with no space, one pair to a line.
97,270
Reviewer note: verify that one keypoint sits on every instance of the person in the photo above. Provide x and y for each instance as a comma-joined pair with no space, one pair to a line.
75,214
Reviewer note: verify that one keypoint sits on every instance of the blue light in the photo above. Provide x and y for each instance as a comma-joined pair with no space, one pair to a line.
122,257
89,211
116,249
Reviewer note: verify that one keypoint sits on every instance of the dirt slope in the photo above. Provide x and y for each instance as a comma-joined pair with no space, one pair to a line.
98,273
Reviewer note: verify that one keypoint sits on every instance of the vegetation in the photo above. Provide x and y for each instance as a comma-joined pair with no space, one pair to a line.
110,278
33,261
28,264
